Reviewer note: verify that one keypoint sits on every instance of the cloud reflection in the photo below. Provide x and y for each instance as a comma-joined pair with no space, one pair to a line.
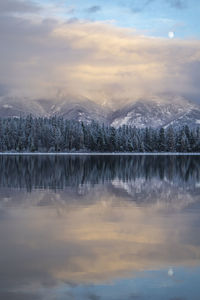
96,233
93,243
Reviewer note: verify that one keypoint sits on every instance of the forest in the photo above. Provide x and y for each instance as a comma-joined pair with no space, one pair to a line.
56,134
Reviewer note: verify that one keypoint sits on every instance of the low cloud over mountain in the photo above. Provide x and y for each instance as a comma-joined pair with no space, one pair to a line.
42,57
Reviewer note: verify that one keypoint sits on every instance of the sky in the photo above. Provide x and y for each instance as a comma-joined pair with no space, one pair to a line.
151,17
106,51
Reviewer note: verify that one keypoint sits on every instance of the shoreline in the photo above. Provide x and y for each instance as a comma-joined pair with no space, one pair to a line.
99,154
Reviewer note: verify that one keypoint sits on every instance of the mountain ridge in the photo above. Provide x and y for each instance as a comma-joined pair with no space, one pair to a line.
156,112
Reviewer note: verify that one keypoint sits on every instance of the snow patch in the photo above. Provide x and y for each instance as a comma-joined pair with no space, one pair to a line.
58,109
7,106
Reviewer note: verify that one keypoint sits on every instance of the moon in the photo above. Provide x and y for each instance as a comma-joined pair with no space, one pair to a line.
171,34
170,272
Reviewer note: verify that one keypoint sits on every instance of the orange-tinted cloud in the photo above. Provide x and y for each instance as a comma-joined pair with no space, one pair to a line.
93,60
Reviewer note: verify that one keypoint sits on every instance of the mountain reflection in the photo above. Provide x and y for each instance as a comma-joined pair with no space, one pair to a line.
58,172
67,222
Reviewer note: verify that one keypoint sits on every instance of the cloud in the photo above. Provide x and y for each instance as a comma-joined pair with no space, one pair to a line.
19,296
94,60
92,296
3,90
18,6
139,6
135,297
179,4
94,9
177,298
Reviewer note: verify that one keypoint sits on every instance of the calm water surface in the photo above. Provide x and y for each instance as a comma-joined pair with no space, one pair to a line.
99,227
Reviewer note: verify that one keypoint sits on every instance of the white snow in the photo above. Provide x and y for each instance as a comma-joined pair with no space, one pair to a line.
103,153
156,113
197,121
7,106
58,109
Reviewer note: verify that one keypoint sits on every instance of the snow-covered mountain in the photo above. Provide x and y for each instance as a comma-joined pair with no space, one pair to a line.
82,110
155,112
16,107
158,113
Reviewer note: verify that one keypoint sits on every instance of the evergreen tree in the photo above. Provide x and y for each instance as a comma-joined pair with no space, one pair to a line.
170,139
56,134
161,140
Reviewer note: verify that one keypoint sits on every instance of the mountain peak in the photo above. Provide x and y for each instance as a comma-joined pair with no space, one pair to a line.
155,111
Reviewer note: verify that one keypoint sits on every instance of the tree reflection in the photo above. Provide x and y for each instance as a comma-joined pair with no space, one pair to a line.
58,172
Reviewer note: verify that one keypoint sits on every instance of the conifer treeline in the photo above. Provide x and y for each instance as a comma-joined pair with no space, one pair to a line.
58,135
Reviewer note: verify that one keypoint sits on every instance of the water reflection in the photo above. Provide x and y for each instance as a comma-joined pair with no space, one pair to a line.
57,172
88,221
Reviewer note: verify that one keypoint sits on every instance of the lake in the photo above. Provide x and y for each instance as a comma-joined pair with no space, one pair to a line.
99,227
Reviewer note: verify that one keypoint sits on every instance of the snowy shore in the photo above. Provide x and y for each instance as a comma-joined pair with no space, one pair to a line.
98,153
